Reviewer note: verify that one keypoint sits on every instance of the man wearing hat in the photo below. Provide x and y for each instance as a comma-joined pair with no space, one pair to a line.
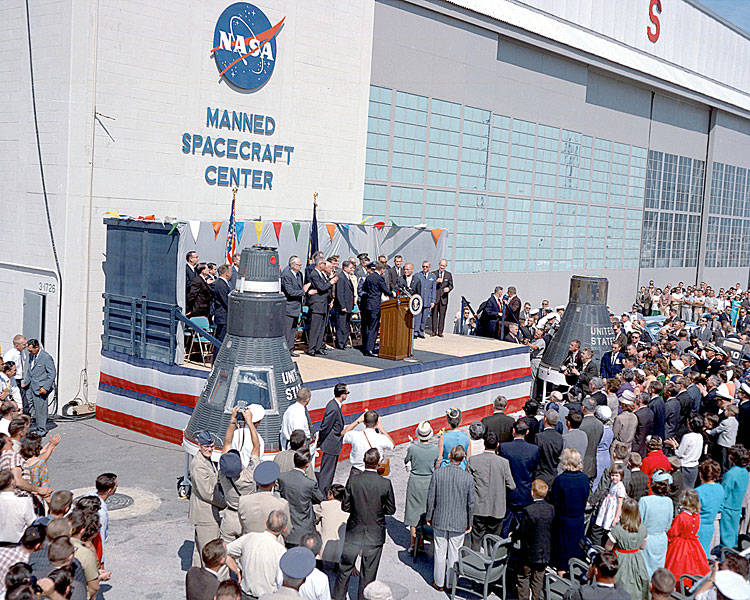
372,290
361,270
296,565
252,508
731,586
203,510
243,440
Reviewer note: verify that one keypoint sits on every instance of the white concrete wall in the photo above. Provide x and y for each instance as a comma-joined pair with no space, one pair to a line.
147,65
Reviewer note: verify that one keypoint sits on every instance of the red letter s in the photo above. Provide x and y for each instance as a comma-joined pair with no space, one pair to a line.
654,7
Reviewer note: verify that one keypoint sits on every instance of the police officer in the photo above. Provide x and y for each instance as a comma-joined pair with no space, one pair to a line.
373,287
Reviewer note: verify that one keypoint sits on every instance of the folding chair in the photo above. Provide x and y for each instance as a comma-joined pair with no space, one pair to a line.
204,345
487,568
424,534
555,586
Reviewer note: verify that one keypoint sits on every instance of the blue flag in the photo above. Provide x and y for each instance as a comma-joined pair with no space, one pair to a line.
313,232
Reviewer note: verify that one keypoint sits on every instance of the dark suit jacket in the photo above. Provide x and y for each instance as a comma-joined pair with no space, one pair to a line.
550,444
501,424
442,296
513,312
301,493
391,277
221,300
344,294
513,339
600,398
199,298
536,525
523,458
291,287
234,276
373,287
329,437
368,498
590,371
656,404
642,429
672,417
189,276
318,303
414,288
743,431
200,584
488,320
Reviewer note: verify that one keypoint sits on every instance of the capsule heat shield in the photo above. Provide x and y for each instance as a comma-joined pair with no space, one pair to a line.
253,365
586,318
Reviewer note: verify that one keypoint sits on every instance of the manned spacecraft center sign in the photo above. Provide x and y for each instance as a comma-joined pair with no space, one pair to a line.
245,51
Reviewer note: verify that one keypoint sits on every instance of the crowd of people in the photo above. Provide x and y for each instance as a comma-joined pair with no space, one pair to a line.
335,300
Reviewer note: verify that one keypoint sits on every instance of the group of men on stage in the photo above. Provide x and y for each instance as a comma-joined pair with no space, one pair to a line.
336,291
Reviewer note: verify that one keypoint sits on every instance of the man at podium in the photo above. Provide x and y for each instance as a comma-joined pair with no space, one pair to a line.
372,290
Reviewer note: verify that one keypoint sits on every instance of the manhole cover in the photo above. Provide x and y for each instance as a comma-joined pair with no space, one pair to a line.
118,501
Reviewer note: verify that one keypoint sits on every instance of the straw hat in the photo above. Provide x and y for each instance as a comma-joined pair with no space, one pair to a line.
424,431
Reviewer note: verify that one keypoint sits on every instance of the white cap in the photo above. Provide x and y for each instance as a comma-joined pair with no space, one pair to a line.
257,411
723,391
733,586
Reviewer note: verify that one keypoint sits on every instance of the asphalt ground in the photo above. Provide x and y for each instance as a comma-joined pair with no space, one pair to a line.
151,543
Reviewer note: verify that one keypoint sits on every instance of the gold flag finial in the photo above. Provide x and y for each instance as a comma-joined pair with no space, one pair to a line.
315,198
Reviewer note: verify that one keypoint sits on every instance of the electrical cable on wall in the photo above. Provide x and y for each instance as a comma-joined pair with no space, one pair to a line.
46,200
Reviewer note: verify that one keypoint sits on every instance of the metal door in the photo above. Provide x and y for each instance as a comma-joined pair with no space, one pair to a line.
34,305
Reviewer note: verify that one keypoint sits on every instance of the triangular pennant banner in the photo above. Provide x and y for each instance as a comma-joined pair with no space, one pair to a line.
295,227
239,227
436,234
258,228
195,227
217,227
379,225
331,230
345,226
393,223
277,229
148,218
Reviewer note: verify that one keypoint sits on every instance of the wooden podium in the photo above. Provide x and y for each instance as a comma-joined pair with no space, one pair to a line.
396,329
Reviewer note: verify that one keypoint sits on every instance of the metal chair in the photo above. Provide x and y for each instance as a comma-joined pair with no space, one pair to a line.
203,344
486,568
555,586
577,570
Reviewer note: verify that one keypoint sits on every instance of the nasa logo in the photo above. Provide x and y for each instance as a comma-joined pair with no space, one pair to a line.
244,46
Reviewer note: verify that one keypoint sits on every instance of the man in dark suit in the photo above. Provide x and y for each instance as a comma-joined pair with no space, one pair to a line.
221,304
536,542
550,444
523,458
596,389
704,332
491,314
512,333
492,477
368,498
594,430
643,428
656,404
294,291
443,286
498,422
410,281
343,304
301,492
512,309
611,362
372,289
318,296
200,295
235,273
330,436
202,583
743,431
191,259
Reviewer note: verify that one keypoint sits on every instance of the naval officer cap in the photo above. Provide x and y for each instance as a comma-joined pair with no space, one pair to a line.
370,265
732,586
297,563
362,255
561,307
266,473
204,438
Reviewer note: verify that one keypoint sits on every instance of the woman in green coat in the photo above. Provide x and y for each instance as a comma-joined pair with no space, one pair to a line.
421,455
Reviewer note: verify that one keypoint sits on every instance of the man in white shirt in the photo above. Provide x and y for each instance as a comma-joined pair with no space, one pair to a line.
8,410
259,555
9,383
17,511
316,586
296,417
18,355
373,435
241,439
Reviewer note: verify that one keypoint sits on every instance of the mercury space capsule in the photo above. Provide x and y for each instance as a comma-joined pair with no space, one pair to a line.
586,318
253,365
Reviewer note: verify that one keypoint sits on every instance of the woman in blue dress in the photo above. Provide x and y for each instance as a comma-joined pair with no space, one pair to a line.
569,493
452,437
711,495
657,511
734,482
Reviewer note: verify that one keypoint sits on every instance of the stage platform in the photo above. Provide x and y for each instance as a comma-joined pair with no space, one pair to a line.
453,371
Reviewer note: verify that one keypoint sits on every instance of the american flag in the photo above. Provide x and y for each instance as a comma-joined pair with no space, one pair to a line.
231,233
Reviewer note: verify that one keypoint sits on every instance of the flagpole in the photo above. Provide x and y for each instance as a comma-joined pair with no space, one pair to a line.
312,222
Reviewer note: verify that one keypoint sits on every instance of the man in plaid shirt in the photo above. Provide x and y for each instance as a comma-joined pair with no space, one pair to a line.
32,540
11,459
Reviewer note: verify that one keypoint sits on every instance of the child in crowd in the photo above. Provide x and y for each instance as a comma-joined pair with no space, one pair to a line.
685,555
332,524
655,459
627,539
536,542
638,486
609,511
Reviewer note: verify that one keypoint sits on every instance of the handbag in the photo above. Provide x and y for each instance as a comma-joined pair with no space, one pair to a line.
384,466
